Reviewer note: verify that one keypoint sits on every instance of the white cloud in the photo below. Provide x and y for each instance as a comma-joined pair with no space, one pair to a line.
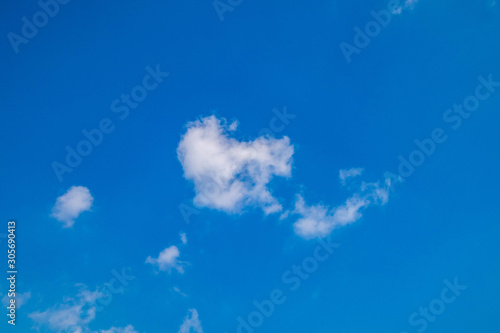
177,290
167,259
408,4
345,174
71,204
21,299
73,313
397,10
228,174
319,220
127,329
191,323
233,126
183,238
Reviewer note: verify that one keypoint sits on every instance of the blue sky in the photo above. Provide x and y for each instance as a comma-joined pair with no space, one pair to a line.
355,191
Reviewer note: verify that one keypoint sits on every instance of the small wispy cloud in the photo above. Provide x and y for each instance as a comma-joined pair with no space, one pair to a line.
345,174
408,4
183,237
74,313
191,323
167,260
320,220
177,290
397,10
21,299
71,204
126,329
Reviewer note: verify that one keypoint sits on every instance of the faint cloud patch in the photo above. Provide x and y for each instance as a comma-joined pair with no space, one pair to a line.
346,174
126,329
177,290
408,4
191,323
74,313
183,237
21,299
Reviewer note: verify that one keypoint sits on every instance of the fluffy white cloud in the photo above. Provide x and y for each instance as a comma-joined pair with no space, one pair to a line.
21,299
127,329
73,314
167,259
191,323
319,220
345,174
71,204
228,174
